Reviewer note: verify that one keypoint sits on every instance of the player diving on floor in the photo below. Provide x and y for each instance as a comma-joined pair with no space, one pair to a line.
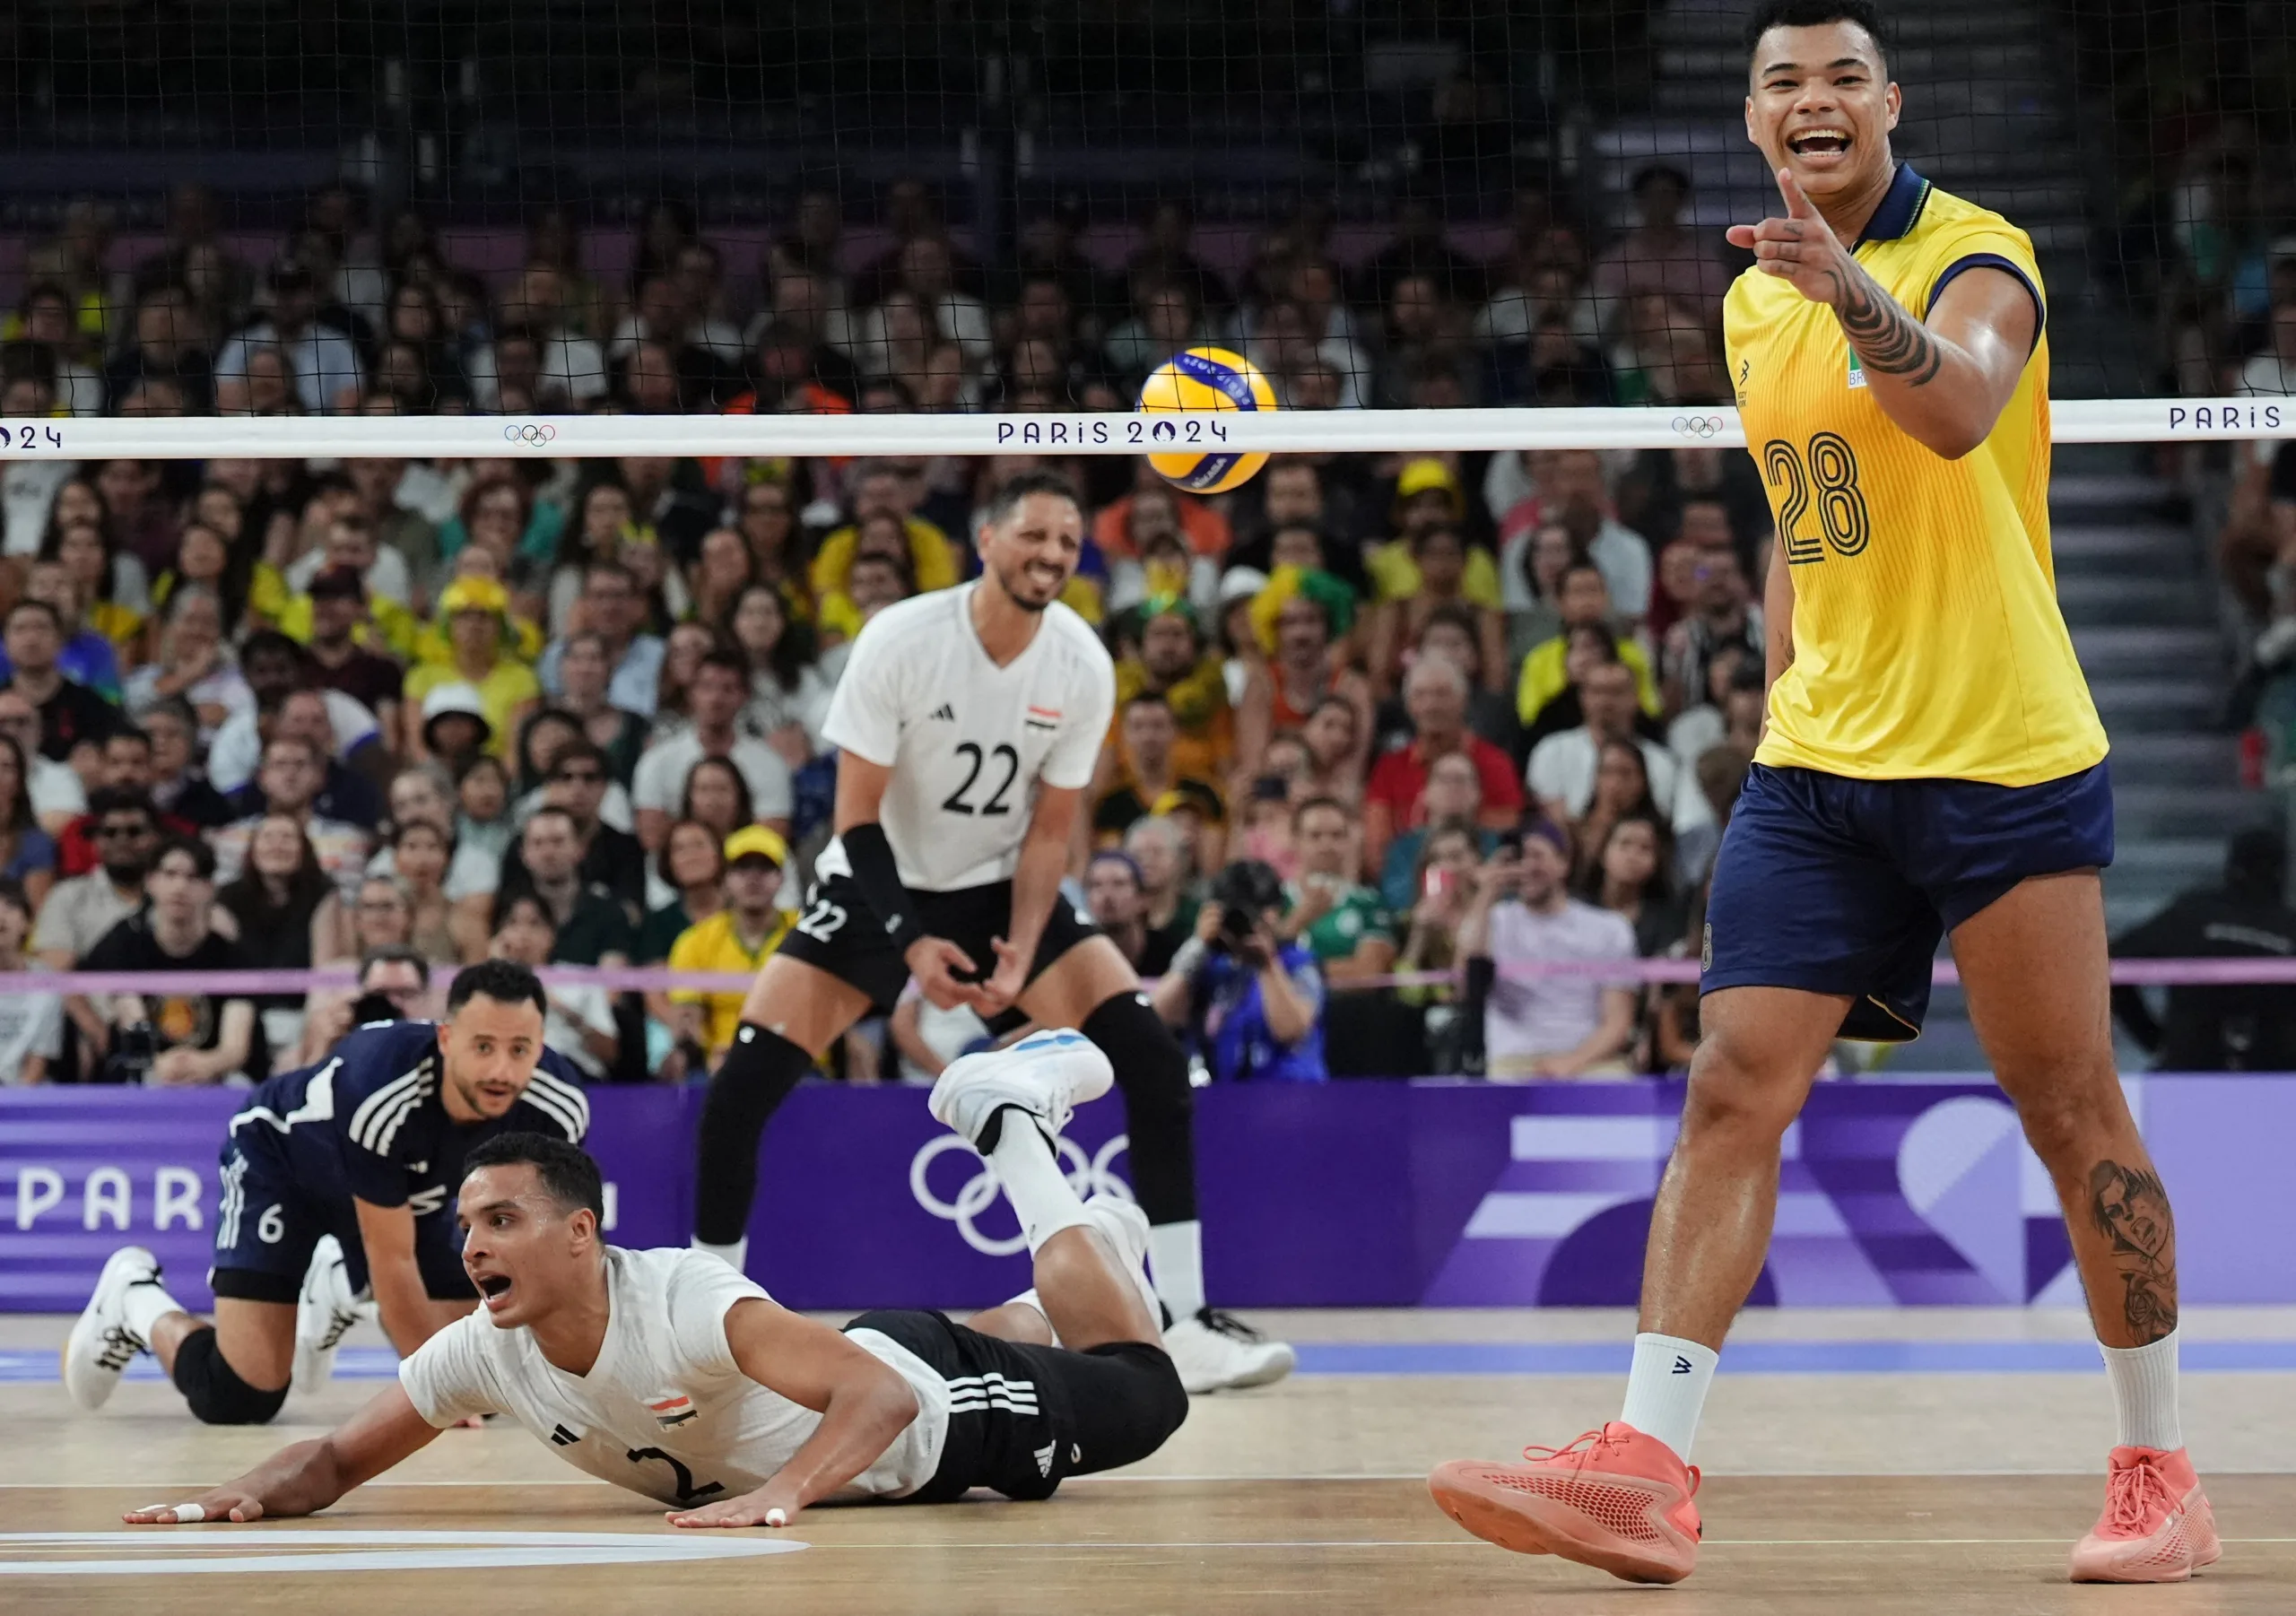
668,1373
338,1182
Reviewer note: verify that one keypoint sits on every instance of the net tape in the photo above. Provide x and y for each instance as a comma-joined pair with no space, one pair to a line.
1068,432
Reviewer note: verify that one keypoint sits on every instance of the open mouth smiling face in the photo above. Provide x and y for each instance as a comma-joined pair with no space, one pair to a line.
1819,145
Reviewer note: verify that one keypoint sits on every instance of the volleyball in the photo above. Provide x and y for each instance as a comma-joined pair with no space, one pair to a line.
1207,378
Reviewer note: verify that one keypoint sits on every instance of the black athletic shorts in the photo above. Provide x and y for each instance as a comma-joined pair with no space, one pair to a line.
1023,1418
269,1221
838,933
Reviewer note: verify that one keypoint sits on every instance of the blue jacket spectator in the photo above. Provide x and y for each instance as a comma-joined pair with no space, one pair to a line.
1250,1007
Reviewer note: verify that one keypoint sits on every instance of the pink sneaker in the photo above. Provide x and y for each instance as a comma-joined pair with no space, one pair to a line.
2157,1526
1616,1499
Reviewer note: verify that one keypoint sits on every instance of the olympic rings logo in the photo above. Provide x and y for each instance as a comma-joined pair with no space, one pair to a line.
1698,426
1090,1176
532,434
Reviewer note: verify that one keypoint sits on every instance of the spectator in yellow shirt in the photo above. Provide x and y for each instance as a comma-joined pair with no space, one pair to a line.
483,644
878,491
1428,495
737,939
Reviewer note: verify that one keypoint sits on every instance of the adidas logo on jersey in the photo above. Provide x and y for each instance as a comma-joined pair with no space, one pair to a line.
559,1436
944,714
1044,1458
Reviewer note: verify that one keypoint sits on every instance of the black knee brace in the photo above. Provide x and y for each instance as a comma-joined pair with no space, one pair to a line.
217,1394
749,1084
1137,1402
1159,1106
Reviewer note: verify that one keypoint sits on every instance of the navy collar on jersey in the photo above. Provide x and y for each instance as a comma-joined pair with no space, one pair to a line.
1900,207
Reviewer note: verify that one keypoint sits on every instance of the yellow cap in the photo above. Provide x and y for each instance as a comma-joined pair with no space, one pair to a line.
1427,476
1195,796
757,840
473,594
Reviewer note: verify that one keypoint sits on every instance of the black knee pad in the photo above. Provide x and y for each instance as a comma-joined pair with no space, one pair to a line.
1153,1403
748,1086
1159,1107
213,1389
1167,1400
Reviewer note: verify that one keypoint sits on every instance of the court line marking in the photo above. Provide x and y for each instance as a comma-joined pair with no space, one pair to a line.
1468,1543
1160,1480
337,1549
318,1535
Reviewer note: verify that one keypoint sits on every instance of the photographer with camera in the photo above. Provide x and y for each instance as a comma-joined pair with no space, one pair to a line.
394,986
1249,1005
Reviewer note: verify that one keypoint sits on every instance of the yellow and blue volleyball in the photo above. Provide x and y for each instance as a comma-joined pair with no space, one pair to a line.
1205,378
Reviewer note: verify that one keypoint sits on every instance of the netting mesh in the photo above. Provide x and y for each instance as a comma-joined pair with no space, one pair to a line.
1408,193
479,273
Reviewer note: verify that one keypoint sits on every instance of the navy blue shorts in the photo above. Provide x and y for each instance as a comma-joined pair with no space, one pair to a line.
1843,886
269,1221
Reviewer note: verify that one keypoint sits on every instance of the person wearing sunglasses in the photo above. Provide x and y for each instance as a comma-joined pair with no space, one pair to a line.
578,783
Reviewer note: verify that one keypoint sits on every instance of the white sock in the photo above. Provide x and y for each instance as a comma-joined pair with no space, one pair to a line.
734,1256
1176,1259
2145,1393
1039,1192
1666,1391
144,1306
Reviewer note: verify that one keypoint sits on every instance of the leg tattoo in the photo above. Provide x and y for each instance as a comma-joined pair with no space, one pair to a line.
2131,1209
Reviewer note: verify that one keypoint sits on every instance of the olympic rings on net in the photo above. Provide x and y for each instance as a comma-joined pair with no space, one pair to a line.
1698,426
532,434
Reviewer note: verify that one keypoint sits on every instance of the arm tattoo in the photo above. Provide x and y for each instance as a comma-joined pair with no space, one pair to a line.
1888,339
2131,1210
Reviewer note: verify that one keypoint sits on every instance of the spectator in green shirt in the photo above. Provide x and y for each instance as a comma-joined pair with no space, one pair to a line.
1340,920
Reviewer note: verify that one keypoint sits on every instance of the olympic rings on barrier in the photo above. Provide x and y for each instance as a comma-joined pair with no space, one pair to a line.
532,434
1698,426
1090,1176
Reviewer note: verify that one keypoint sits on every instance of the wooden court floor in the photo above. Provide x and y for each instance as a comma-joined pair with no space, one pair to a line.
1940,1493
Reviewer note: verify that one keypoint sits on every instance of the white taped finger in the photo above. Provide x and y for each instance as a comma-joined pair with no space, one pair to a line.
777,1517
188,1514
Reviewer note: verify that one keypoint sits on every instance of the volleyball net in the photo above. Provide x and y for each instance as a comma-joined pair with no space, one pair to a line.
1050,433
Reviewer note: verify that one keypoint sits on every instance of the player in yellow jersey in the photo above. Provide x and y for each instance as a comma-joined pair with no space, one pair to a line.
1931,765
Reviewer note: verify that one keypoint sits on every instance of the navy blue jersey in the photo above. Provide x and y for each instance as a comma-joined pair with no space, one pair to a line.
368,1122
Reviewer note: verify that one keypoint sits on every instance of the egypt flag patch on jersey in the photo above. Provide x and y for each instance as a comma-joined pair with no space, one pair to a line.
1043,717
671,1410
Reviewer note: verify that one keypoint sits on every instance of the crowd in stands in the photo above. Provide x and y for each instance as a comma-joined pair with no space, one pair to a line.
2210,196
1375,713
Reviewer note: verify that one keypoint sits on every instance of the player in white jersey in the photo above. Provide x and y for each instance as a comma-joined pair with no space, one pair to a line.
967,723
668,1373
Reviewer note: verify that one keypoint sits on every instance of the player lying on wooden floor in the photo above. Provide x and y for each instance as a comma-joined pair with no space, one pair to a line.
668,1373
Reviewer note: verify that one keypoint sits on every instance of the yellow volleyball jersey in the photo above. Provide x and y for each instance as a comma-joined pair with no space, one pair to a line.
1928,642
714,945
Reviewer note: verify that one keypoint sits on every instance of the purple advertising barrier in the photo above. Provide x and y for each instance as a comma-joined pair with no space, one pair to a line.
83,1171
2222,1143
1307,1198
1357,1194
86,1170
